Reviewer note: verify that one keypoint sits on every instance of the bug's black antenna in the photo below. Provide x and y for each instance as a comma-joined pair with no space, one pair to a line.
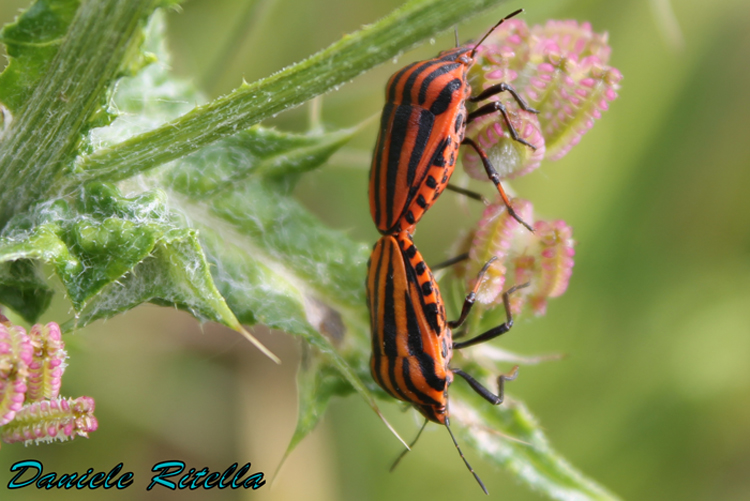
462,457
455,32
513,14
411,445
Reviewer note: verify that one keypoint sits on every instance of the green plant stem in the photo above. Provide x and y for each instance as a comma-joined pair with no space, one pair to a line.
249,104
43,136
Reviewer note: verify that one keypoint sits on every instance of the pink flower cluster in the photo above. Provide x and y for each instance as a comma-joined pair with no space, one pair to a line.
31,369
559,69
543,259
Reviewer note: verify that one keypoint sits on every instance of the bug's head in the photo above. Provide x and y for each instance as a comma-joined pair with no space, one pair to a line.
458,54
434,413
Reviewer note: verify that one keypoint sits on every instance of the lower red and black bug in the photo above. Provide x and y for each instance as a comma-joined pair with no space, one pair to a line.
412,343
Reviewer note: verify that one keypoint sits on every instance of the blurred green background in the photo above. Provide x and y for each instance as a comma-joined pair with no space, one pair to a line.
653,400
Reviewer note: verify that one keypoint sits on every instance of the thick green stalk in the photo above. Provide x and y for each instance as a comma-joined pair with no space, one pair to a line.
44,134
249,104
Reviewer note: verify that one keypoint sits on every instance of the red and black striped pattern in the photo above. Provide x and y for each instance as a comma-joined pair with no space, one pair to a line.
411,342
421,129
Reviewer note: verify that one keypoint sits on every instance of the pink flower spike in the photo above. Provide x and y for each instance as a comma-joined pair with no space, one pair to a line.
542,259
59,419
497,235
14,369
563,73
46,370
557,263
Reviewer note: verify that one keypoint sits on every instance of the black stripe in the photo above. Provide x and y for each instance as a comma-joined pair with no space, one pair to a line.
392,89
444,99
440,71
423,398
397,138
426,121
382,137
409,85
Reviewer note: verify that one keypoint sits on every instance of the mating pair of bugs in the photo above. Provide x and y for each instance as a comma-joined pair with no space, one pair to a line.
423,124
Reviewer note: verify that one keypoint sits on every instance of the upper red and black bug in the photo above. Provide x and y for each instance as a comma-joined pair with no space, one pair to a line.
412,343
423,124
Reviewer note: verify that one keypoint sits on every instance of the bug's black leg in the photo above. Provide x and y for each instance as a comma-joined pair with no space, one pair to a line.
451,261
495,331
471,296
492,108
471,194
398,459
495,178
484,392
502,87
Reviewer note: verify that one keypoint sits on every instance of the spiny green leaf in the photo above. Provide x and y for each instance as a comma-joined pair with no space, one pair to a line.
175,273
93,242
112,253
88,249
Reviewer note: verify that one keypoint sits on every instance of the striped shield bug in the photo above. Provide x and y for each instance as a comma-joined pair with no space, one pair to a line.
412,343
422,126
